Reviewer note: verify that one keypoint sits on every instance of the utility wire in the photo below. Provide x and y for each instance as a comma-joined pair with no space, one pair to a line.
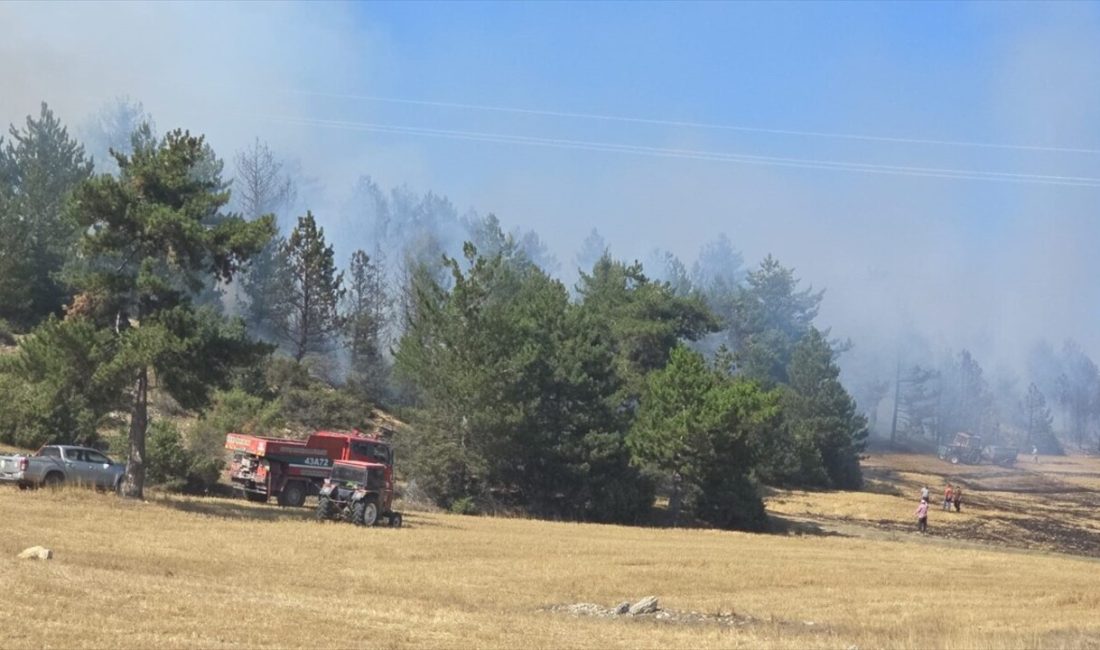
701,125
898,170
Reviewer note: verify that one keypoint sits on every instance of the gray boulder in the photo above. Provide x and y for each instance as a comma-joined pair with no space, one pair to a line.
647,605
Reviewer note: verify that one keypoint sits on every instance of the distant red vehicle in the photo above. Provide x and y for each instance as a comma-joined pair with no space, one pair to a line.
357,492
290,469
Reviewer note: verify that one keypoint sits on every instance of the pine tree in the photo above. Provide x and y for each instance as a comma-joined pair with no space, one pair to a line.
647,319
770,316
698,429
593,248
111,130
151,237
260,185
827,427
307,307
517,394
39,168
263,285
1040,422
365,315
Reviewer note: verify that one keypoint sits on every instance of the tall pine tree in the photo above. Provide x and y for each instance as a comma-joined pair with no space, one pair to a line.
39,168
365,315
307,307
828,430
151,238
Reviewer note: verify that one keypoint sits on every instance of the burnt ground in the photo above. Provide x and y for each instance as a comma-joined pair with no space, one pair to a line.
1010,507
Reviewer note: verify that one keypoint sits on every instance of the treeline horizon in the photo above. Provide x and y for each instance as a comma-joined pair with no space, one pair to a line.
167,270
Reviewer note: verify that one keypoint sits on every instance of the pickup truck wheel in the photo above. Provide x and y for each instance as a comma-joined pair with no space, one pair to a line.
293,495
53,479
326,509
365,513
395,520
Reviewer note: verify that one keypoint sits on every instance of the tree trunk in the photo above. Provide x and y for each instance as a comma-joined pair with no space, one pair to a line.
134,482
675,500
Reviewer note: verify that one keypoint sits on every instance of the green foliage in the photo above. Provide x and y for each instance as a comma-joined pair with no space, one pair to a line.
518,395
175,466
307,304
365,316
700,430
154,236
310,402
7,335
768,318
647,319
39,168
464,506
262,284
827,429
59,386
233,411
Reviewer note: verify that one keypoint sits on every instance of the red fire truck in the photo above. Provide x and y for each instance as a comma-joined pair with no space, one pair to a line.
292,469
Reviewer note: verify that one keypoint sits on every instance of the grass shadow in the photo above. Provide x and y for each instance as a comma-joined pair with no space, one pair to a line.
226,509
791,526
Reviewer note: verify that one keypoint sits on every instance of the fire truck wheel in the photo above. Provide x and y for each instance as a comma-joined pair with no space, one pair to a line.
395,520
293,495
954,460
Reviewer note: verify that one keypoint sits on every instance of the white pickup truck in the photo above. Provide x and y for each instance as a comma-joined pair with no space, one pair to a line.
53,465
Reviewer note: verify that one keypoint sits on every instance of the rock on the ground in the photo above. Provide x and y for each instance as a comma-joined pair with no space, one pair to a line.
622,608
36,553
647,605
587,609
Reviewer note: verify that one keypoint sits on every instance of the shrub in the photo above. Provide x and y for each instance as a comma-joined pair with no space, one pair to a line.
234,411
311,402
464,506
58,387
322,407
174,466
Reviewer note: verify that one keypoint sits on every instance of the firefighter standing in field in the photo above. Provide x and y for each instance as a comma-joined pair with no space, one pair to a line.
957,498
922,516
947,495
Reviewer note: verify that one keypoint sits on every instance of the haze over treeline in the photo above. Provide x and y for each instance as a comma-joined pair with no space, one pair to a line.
968,295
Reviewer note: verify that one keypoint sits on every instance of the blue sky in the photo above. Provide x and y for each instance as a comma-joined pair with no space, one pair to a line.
967,262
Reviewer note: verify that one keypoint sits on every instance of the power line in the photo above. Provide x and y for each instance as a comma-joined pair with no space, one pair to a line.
702,125
713,156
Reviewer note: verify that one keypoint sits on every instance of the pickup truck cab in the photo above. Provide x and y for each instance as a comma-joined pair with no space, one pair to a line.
53,465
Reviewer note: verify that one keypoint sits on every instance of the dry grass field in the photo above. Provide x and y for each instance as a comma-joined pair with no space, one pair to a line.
214,573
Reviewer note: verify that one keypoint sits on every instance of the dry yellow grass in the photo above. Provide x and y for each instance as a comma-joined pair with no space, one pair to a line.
1047,506
211,573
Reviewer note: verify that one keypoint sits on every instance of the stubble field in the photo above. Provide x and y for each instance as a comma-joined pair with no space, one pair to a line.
848,571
